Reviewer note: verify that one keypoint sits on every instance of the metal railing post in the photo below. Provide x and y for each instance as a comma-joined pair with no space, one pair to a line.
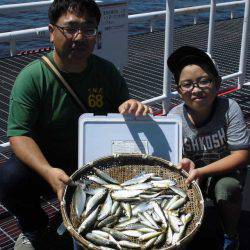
195,19
232,15
210,39
169,31
12,47
152,24
244,43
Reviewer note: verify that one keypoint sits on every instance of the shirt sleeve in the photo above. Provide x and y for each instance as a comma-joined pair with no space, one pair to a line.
24,105
237,134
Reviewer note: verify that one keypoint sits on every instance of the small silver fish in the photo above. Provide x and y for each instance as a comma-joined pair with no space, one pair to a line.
93,201
150,219
112,186
127,208
116,234
107,220
160,239
141,207
174,199
127,222
132,233
105,176
101,241
146,222
115,241
149,236
178,191
150,196
163,183
129,244
146,229
134,226
125,194
141,186
79,200
174,222
150,243
180,202
89,221
118,211
101,233
156,217
106,208
97,179
115,206
160,213
169,236
138,179
93,191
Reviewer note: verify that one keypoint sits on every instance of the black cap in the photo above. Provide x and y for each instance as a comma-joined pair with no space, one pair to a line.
187,55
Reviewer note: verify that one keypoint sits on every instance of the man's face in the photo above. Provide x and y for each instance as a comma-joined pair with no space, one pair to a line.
201,95
74,38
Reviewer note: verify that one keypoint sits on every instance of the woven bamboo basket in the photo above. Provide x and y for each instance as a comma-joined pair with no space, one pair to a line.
126,166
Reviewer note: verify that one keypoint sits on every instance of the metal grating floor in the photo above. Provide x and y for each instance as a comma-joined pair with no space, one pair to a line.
144,75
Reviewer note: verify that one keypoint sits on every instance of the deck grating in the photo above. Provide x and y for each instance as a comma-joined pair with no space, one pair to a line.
144,76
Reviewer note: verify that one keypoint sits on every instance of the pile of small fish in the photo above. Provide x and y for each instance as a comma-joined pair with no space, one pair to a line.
143,212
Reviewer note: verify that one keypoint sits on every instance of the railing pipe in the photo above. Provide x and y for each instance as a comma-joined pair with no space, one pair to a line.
244,43
4,147
154,99
35,5
22,34
186,10
23,6
168,48
210,40
231,76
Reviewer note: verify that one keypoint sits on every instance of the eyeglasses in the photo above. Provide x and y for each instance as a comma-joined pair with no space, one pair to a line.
202,83
71,32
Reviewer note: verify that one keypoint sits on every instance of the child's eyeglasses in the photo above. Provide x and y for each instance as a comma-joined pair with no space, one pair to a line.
203,83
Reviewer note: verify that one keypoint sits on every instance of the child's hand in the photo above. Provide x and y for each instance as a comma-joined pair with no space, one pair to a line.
189,166
186,164
194,175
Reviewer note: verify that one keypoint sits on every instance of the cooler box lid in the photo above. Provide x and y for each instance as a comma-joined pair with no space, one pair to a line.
100,136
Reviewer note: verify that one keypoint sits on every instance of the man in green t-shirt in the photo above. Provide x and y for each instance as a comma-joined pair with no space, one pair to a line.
43,118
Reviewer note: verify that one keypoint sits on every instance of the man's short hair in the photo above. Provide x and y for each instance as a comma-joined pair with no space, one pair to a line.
188,55
60,7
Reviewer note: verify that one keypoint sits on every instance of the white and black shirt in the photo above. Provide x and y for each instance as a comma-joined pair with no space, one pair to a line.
225,131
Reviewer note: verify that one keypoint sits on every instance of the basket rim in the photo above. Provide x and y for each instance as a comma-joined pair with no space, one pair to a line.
90,245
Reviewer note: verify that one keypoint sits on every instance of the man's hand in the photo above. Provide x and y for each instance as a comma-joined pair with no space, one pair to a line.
189,166
57,178
134,107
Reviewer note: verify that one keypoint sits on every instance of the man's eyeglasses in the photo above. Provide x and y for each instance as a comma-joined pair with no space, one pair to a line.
71,32
203,83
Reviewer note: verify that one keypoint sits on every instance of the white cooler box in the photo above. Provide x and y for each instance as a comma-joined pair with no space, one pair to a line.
100,136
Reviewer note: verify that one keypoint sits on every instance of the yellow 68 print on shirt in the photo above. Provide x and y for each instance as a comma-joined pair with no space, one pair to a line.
95,98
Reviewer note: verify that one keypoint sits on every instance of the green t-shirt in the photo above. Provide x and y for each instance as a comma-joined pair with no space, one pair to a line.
42,109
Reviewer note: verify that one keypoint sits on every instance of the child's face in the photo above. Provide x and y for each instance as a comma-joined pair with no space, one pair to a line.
196,88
